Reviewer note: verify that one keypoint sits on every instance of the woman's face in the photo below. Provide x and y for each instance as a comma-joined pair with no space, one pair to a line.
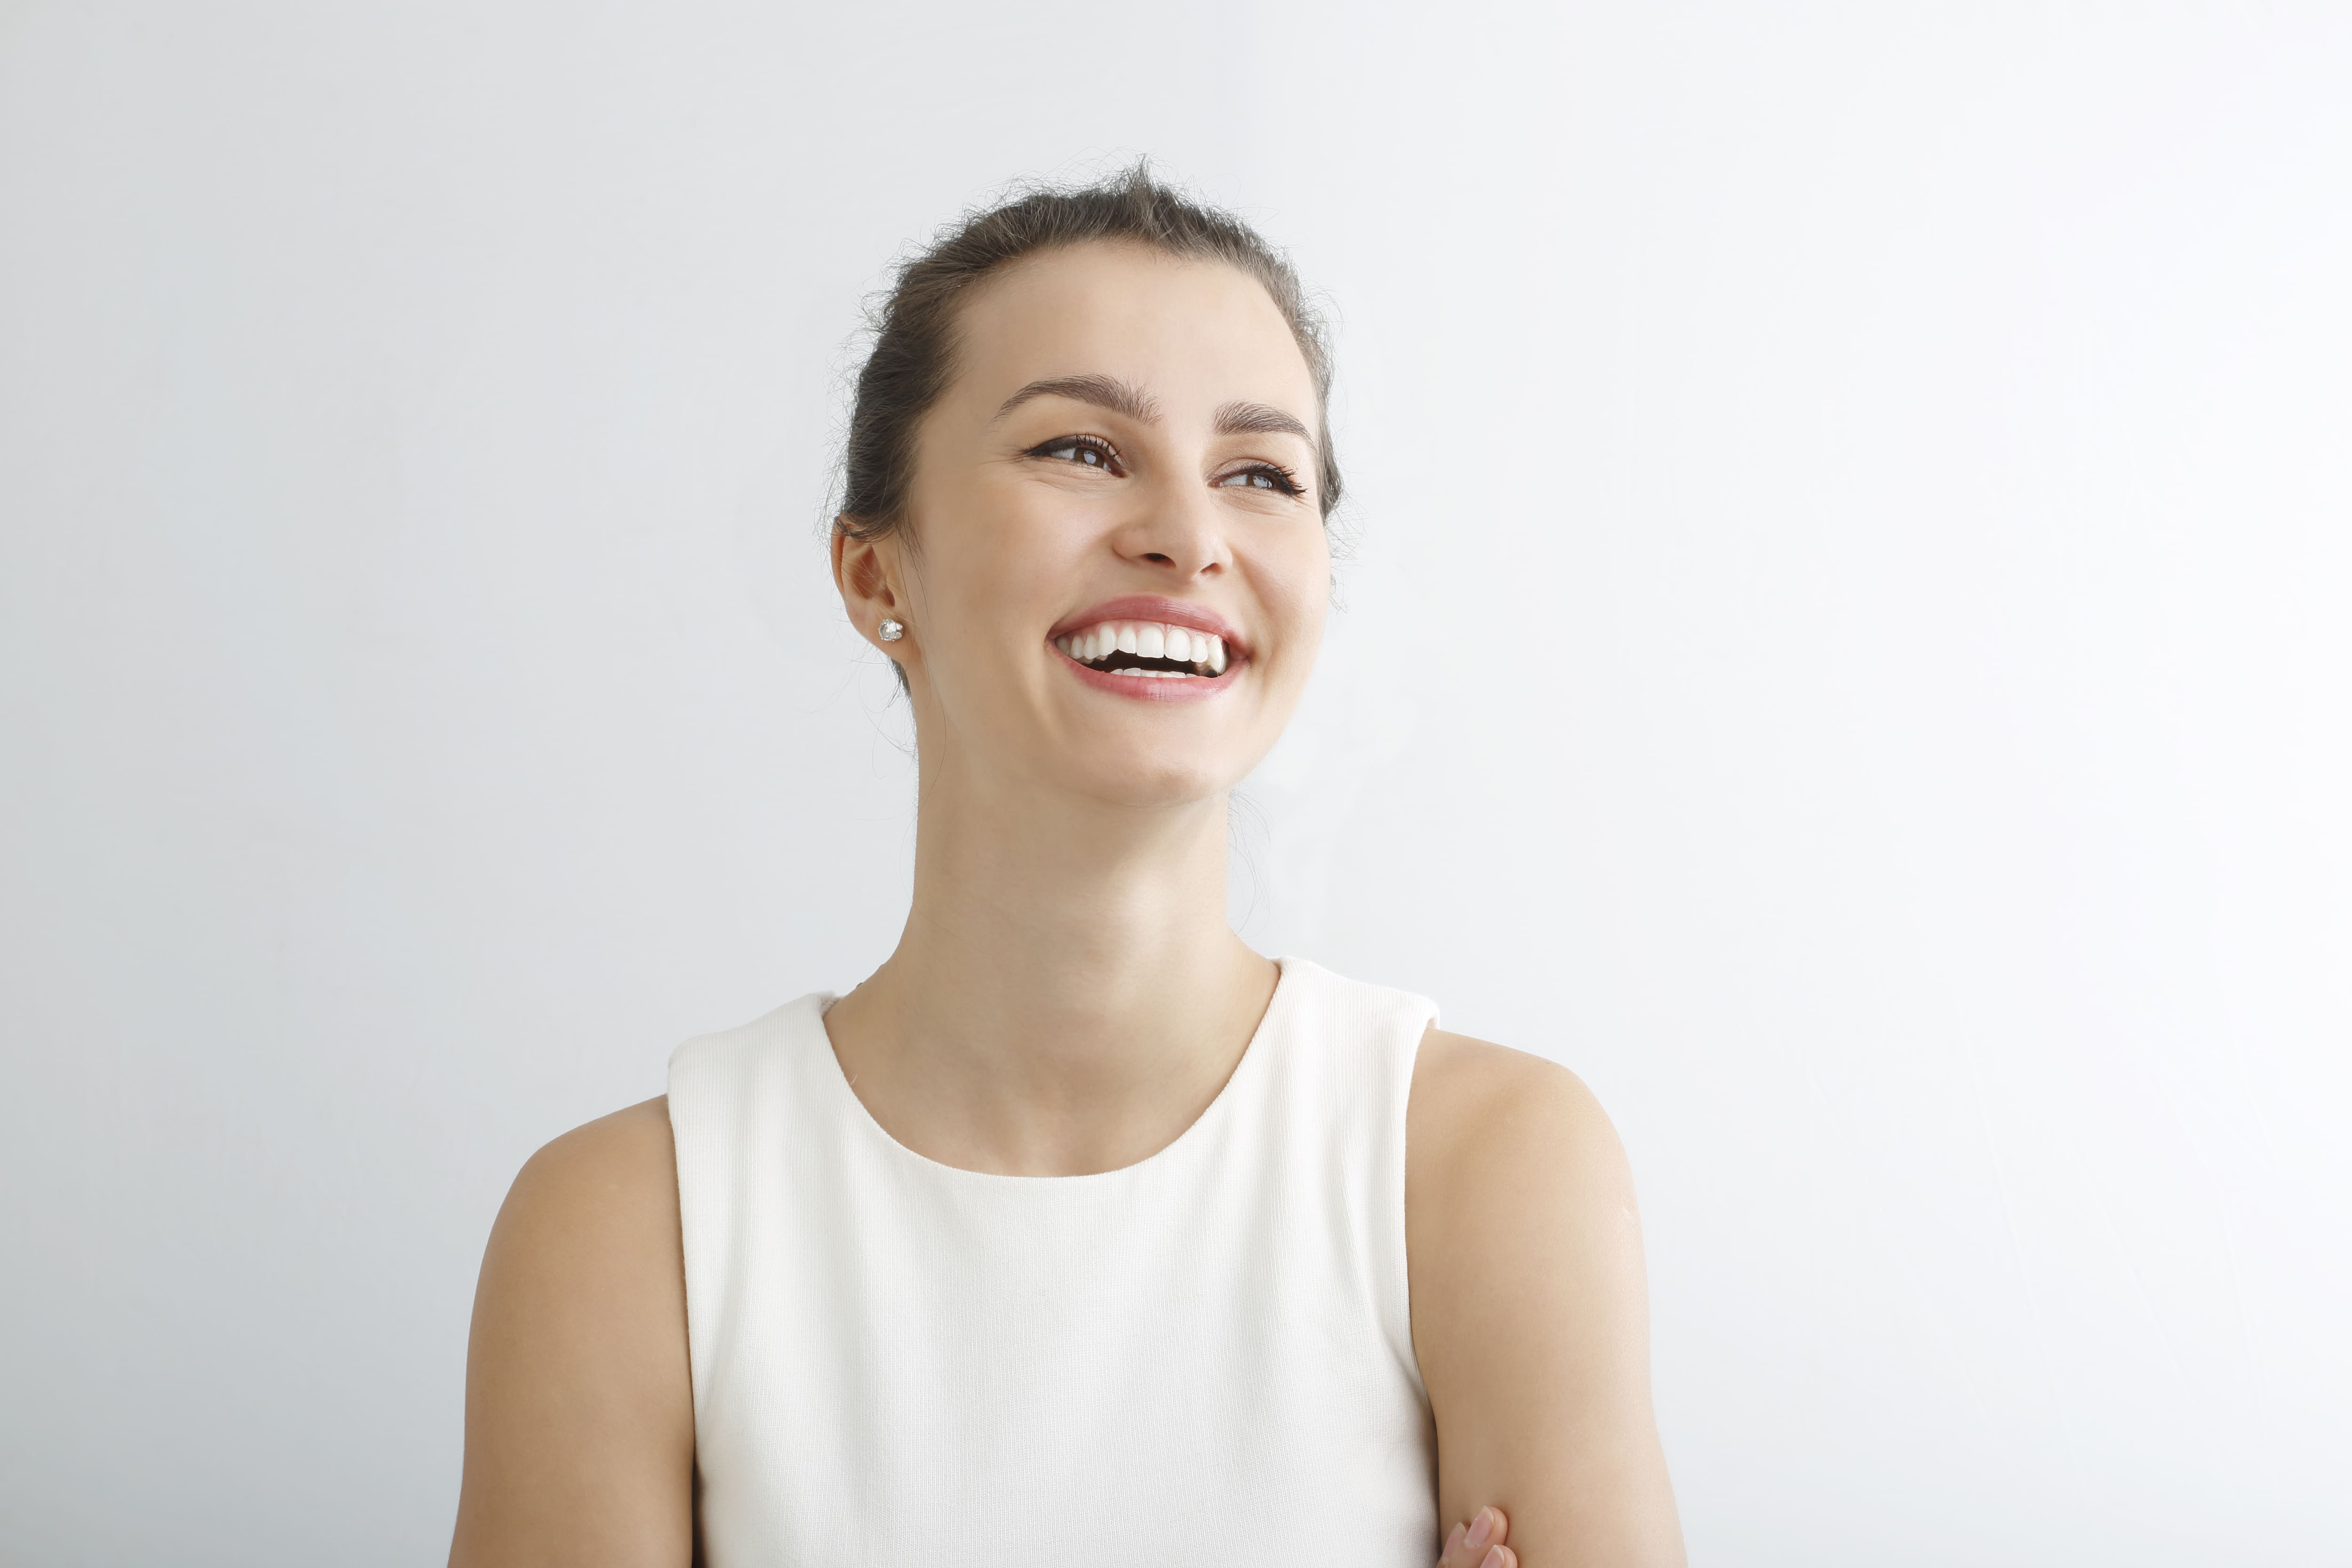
1115,572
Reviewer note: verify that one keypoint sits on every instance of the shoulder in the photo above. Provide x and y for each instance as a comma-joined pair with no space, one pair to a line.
578,1400
1487,1122
1514,1175
588,1237
586,1248
1529,1309
1518,1199
616,1164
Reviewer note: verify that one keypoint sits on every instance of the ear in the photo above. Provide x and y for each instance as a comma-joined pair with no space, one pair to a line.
866,573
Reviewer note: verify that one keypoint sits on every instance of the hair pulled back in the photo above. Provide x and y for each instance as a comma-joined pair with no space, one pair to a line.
915,327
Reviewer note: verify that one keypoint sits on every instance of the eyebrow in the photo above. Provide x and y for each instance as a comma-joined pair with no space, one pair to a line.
1127,398
1102,391
1259,419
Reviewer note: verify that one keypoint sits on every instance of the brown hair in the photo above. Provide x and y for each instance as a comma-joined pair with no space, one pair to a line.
914,326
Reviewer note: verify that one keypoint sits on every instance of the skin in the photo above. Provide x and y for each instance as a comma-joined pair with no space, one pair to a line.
1067,996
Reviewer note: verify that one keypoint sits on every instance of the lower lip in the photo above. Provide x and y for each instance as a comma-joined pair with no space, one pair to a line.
1152,688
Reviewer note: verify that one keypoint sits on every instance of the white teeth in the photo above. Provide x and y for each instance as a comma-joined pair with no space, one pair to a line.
1148,639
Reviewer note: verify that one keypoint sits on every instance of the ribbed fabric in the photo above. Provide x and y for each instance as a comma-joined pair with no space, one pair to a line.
1204,1356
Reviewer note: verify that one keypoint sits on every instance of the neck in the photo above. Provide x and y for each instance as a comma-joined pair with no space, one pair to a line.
1066,996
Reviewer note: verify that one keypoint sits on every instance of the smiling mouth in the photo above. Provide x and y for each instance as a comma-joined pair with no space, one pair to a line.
1149,648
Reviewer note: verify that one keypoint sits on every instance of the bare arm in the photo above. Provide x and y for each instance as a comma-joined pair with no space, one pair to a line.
1530,1315
579,1406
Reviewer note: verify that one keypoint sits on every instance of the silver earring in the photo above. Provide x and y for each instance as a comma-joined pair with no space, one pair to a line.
890,630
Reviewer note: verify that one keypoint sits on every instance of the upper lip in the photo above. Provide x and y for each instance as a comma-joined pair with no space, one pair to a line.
1154,607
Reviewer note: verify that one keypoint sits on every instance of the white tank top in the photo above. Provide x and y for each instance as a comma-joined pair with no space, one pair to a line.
1203,1356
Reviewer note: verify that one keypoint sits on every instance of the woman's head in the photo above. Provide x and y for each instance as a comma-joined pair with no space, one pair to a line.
1088,470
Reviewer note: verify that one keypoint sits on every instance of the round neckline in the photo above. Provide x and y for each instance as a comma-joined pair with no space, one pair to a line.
838,1081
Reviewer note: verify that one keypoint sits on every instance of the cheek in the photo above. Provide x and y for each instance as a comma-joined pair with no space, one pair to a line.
1298,591
992,576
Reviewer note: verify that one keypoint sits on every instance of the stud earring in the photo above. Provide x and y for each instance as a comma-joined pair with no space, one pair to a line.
890,630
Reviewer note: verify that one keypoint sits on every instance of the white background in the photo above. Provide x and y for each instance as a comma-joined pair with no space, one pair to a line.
1846,647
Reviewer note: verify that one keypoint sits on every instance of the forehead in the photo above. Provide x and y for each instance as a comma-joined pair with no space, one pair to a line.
1190,331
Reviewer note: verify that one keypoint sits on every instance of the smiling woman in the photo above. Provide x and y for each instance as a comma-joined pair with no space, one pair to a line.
1079,1232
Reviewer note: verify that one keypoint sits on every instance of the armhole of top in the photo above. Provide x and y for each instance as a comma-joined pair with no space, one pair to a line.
730,1097
691,1133
1423,1016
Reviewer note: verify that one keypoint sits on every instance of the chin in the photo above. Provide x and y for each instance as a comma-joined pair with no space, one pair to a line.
1145,783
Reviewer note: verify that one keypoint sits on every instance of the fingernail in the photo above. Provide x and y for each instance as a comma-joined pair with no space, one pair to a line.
1453,1540
1494,1559
1482,1528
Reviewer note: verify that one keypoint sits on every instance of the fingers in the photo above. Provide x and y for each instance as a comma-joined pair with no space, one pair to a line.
1477,1543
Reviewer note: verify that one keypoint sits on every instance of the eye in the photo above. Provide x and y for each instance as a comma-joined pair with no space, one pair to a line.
1264,477
1086,451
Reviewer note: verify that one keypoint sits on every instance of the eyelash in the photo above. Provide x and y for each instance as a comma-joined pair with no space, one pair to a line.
1286,482
1091,443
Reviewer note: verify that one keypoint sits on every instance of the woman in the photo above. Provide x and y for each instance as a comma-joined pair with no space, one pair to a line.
1079,1232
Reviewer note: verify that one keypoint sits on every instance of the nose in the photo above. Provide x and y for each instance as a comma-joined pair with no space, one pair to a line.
1178,531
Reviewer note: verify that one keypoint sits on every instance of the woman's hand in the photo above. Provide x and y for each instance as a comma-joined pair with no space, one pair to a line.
1477,1543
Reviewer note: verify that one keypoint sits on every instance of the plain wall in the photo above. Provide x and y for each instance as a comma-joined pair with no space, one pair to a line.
1845,645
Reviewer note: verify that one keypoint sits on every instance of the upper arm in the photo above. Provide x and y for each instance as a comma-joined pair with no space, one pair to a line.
1530,1315
579,1404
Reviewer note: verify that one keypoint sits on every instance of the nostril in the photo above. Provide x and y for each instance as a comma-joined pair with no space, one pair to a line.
1155,555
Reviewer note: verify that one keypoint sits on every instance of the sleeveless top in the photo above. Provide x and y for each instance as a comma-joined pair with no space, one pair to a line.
1204,1355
